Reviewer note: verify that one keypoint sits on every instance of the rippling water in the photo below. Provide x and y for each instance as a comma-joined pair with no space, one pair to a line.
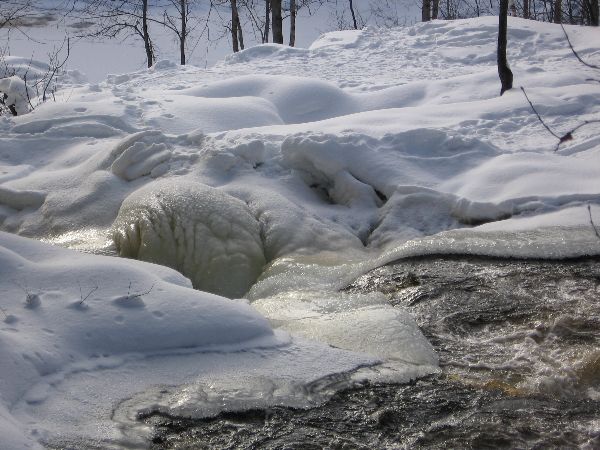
519,345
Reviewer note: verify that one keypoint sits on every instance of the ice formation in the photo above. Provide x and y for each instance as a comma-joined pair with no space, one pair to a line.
365,323
206,234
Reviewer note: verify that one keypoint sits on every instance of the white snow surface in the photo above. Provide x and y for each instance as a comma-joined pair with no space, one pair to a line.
280,174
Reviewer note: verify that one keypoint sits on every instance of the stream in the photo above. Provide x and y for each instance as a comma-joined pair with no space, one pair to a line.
518,343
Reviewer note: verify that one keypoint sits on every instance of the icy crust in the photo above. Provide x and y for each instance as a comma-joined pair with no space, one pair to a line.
61,308
542,243
364,323
206,234
78,413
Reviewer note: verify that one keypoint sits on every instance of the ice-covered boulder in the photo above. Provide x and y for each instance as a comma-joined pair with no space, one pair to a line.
206,234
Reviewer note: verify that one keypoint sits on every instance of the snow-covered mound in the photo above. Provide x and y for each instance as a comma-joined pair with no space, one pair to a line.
286,173
66,312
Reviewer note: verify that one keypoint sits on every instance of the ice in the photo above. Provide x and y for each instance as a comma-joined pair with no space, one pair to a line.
192,383
354,322
206,234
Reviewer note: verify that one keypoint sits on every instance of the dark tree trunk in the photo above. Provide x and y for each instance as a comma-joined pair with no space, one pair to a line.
557,12
353,15
267,20
506,76
590,9
292,23
426,11
234,26
146,35
240,34
277,22
183,35
525,9
435,9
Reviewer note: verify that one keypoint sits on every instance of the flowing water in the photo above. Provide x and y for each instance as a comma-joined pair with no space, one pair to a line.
519,348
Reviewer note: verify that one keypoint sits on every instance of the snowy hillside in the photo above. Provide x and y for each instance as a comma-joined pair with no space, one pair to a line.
279,175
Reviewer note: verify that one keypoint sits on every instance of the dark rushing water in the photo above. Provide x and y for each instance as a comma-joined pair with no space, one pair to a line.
519,345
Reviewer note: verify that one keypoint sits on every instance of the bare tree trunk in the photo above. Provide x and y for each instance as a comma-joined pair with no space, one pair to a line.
353,15
435,9
590,11
504,72
234,26
557,11
146,35
594,12
292,23
183,35
525,9
240,34
267,20
277,22
426,11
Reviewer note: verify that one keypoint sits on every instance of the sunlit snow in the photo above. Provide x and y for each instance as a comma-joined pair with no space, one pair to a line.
279,175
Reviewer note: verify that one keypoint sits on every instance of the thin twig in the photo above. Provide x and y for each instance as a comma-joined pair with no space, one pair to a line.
568,136
575,53
141,294
83,299
592,222
538,115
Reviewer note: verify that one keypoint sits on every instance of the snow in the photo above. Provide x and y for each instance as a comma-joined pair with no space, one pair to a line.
15,93
279,175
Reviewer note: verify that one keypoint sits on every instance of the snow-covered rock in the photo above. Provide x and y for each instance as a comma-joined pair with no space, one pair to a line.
15,94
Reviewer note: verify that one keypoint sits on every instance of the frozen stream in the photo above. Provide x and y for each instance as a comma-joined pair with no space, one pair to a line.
245,199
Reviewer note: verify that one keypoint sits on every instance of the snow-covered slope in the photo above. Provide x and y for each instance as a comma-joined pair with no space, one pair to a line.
283,173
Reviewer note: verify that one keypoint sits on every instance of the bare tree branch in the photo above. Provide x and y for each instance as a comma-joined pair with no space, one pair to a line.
575,52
